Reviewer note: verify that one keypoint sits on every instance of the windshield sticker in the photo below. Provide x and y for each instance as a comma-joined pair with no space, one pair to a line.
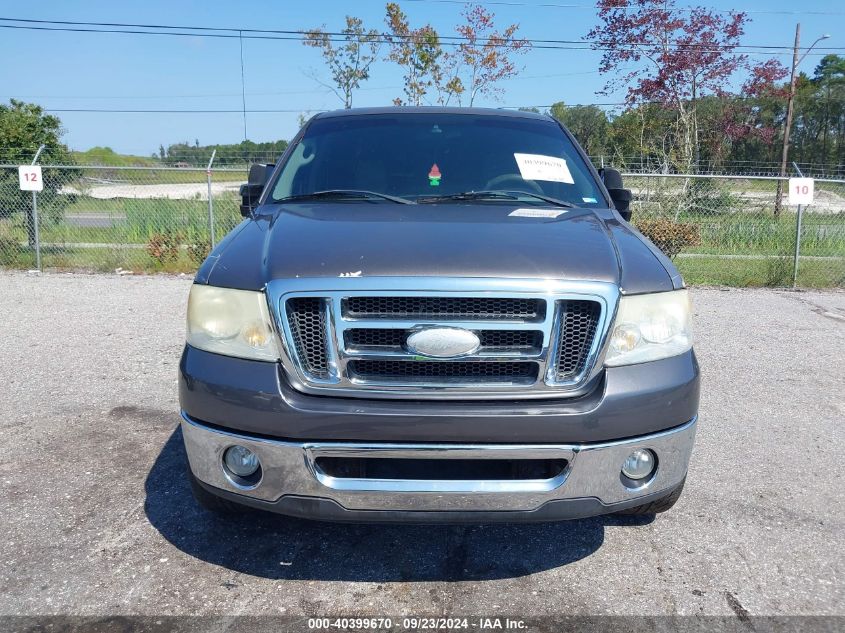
434,176
539,167
593,200
536,213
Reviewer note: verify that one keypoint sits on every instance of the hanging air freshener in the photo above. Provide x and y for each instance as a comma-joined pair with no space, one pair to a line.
434,176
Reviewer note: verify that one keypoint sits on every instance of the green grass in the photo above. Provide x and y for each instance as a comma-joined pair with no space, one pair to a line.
774,272
134,221
109,259
821,234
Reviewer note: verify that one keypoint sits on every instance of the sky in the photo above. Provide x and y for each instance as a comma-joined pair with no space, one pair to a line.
69,70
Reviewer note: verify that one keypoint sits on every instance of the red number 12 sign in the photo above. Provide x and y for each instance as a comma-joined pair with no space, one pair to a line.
29,178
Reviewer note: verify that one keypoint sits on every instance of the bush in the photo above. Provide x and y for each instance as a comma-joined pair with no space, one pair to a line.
198,251
163,247
778,272
150,216
669,236
704,197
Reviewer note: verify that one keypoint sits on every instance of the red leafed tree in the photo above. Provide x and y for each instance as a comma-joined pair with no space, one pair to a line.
485,55
675,57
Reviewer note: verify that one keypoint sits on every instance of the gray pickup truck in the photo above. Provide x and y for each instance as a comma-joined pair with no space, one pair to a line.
437,315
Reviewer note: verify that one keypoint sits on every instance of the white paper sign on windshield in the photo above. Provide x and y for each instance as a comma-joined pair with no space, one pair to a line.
539,167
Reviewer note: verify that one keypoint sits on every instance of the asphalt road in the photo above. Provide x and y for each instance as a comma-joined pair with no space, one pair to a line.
97,519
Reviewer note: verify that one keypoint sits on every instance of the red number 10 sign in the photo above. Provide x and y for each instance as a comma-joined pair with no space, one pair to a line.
801,191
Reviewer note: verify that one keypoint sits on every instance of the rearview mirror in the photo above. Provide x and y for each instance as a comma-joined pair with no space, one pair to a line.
620,196
251,191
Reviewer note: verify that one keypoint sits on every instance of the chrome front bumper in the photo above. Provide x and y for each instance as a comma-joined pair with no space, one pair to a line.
289,472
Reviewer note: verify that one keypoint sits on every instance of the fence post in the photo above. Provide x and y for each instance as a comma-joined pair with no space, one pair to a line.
210,199
797,232
34,218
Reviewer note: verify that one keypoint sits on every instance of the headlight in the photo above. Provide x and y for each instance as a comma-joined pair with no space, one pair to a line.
231,322
650,327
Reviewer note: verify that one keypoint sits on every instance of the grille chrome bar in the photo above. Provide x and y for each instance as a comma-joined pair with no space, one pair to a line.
390,374
356,344
441,309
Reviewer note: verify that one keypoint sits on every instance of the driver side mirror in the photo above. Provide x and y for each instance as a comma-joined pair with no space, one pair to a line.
251,191
621,197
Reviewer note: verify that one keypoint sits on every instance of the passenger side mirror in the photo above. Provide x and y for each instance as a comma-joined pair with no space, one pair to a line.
621,197
251,191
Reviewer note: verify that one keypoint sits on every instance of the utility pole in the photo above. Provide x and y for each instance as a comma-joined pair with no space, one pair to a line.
790,104
790,107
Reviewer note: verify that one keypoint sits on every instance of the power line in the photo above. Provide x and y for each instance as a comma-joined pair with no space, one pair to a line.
534,43
298,34
592,7
232,32
169,111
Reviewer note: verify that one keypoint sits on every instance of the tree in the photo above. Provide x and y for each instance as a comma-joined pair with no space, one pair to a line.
237,153
820,113
588,124
24,127
417,51
641,137
674,57
484,57
829,77
349,62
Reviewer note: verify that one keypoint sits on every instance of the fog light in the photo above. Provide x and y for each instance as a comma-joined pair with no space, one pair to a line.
639,464
240,461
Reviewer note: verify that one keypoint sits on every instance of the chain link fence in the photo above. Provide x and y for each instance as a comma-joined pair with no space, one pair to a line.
718,229
729,230
138,219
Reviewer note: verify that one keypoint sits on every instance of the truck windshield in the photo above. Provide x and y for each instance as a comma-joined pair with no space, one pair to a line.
427,157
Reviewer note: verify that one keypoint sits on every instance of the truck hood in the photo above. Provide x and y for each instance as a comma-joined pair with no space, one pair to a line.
433,240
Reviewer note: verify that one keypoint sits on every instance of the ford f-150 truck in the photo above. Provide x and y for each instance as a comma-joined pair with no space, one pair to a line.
437,315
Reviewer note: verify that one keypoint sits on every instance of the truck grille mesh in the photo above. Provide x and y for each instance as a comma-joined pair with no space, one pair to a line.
504,339
577,331
357,342
399,369
307,321
394,339
468,308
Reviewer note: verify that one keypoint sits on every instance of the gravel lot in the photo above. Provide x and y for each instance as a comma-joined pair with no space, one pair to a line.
97,518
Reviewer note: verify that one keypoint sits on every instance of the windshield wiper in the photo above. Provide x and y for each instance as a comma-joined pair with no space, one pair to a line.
345,193
497,195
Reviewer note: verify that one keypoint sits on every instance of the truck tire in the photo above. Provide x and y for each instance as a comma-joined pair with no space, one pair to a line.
212,502
658,505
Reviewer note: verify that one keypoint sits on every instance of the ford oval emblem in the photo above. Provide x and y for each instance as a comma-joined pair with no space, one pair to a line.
443,342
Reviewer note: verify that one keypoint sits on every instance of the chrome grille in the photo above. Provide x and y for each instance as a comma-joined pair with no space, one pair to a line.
307,321
470,308
393,339
578,321
443,370
538,338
